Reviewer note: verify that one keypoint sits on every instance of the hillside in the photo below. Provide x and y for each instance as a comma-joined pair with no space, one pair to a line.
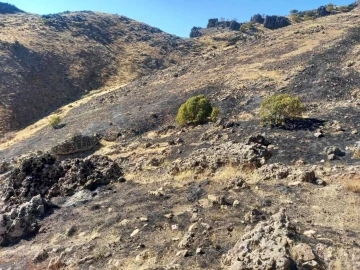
119,185
55,59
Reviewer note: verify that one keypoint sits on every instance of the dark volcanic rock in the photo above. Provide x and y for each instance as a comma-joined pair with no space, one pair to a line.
212,23
321,11
234,25
45,176
77,143
257,18
275,22
195,32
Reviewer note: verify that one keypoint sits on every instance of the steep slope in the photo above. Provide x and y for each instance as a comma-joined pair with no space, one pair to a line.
316,60
48,61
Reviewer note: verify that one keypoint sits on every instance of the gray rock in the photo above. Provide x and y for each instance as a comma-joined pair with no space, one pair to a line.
264,247
275,22
75,144
22,221
40,256
273,171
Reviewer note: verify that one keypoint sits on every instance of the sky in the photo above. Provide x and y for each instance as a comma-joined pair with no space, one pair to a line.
175,16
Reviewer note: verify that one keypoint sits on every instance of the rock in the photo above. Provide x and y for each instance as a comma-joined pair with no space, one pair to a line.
259,139
4,166
234,25
311,265
135,232
254,216
309,233
264,247
237,184
77,143
216,199
212,23
236,203
273,171
354,132
57,262
49,177
322,11
318,134
186,240
275,22
215,157
169,216
257,18
183,253
304,175
333,153
22,221
195,32
40,256
303,253
199,250
320,182
193,227
71,231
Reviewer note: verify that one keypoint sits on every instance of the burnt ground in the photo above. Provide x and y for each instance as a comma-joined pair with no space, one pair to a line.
105,220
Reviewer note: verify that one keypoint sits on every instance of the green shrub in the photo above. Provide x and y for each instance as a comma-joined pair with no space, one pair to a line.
54,121
195,110
277,109
330,7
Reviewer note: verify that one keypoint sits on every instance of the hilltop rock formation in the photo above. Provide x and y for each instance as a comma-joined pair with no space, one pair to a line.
195,32
257,18
275,22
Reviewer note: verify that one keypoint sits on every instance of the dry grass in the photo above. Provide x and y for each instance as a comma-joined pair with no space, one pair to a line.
351,183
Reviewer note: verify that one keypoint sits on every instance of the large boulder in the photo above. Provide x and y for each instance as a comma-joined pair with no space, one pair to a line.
22,221
322,11
257,18
75,144
195,32
212,23
275,22
234,25
267,246
44,175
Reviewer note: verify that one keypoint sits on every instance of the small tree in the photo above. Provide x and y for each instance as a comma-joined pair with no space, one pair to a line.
277,109
195,110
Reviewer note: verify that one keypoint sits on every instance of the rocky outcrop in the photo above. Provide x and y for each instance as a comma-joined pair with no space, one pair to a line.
228,153
45,176
267,246
234,25
273,171
21,221
275,22
322,11
257,18
195,32
77,143
212,23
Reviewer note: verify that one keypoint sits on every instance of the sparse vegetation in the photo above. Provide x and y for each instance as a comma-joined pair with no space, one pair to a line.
195,110
277,109
54,121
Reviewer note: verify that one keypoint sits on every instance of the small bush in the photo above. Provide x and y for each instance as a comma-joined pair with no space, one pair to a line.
277,109
195,110
54,121
215,114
